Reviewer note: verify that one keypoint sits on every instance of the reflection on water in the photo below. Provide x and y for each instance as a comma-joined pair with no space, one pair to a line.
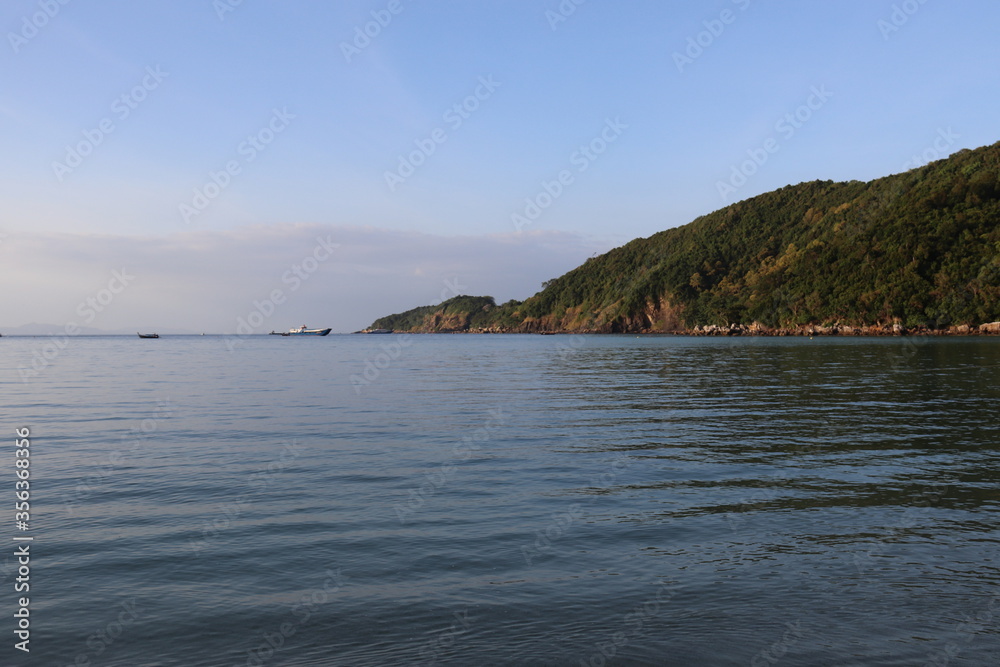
515,500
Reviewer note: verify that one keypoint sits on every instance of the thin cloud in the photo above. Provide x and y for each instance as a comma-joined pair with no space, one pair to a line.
342,277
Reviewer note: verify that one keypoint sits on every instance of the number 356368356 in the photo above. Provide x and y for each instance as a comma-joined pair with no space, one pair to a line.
22,464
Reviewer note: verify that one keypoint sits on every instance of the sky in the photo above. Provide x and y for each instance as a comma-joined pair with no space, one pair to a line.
173,165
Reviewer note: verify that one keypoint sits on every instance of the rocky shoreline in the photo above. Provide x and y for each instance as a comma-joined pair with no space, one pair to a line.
991,329
756,329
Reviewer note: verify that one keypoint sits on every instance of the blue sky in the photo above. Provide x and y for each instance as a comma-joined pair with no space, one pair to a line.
300,120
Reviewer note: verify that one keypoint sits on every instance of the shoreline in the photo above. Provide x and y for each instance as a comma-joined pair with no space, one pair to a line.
754,330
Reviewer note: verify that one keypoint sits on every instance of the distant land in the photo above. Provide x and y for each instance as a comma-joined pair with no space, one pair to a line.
910,253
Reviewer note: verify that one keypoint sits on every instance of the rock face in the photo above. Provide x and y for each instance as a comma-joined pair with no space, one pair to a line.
757,329
447,323
661,317
991,328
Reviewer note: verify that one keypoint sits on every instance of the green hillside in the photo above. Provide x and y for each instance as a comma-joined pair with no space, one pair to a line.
456,314
921,249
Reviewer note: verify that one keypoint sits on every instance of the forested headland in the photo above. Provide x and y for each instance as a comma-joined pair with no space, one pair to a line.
917,251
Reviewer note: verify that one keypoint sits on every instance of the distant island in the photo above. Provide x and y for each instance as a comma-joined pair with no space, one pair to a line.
917,252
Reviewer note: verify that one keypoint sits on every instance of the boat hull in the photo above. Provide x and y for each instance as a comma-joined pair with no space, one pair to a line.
308,332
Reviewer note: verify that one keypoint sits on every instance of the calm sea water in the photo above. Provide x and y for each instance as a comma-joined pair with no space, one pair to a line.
530,500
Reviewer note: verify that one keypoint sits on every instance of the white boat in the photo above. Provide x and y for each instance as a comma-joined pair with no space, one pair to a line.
304,331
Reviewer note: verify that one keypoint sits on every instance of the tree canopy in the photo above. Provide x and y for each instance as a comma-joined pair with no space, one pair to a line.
920,248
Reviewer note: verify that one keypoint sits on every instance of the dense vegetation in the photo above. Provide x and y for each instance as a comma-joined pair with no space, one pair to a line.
921,249
456,314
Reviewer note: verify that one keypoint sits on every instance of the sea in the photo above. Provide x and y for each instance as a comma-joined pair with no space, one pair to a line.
582,500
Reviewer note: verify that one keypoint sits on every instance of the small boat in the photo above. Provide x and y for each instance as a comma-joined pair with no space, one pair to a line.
152,335
379,331
303,331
